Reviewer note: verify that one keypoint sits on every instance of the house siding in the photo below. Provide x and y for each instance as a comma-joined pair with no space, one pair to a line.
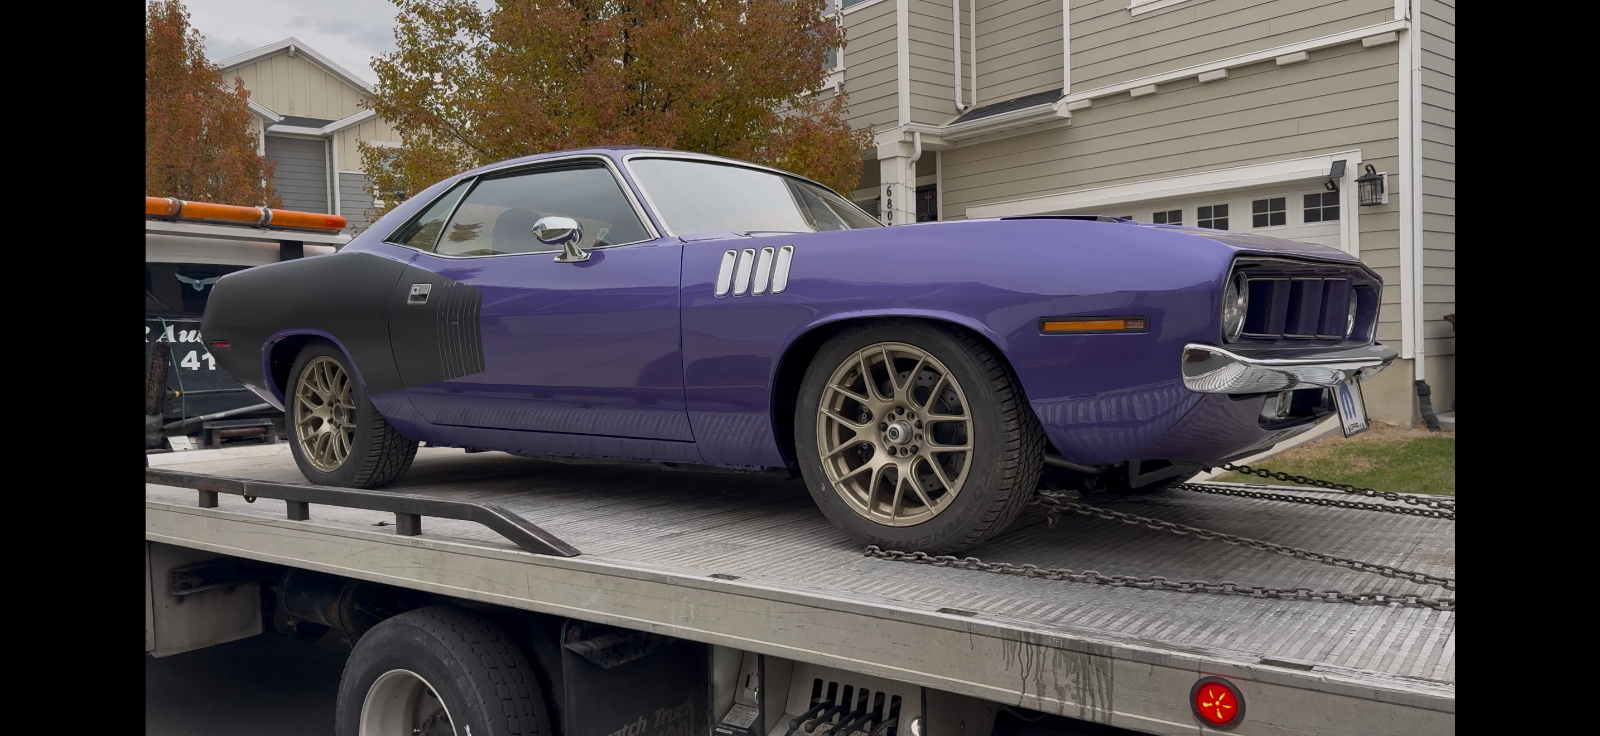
932,66
1111,45
1437,35
354,201
870,61
372,129
1019,48
1343,98
297,86
302,174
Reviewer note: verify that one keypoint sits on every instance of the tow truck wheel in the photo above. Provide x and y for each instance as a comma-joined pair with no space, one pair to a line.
336,436
439,671
914,436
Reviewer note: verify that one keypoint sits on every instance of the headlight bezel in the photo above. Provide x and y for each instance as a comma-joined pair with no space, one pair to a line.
1235,307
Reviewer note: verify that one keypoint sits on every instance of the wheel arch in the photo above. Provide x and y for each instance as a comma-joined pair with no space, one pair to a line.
797,356
278,353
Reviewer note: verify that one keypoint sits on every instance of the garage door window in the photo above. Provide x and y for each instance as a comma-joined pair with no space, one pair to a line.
1168,217
1322,207
1214,216
1271,212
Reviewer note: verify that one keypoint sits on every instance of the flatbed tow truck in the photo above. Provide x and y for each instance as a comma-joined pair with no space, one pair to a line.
647,601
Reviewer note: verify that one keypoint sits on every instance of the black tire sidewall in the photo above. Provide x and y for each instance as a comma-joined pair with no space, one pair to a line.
367,419
400,644
976,497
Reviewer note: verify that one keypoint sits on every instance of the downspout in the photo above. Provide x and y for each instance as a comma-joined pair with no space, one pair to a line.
955,33
911,172
1413,64
333,143
973,66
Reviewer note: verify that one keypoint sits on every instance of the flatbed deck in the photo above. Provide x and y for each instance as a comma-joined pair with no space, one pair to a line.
789,584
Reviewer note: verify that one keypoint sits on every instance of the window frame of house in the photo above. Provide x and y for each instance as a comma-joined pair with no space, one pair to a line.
1200,219
1320,208
1140,7
832,11
1167,214
853,7
1268,199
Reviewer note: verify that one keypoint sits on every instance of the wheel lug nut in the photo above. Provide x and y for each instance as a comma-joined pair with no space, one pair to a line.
913,448
883,426
919,424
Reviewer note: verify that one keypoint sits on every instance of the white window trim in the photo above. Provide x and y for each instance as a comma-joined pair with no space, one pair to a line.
1140,7
1302,205
1230,217
1288,206
858,6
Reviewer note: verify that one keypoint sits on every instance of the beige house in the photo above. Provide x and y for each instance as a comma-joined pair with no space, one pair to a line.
309,116
1230,114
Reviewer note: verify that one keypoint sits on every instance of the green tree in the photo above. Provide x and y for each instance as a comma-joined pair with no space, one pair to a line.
468,86
198,140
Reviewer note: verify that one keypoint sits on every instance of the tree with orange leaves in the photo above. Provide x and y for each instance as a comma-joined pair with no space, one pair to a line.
468,86
199,140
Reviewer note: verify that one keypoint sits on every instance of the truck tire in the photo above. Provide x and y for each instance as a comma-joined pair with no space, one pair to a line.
439,671
876,454
336,435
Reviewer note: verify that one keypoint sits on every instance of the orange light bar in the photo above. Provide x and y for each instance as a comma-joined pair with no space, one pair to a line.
1092,325
235,214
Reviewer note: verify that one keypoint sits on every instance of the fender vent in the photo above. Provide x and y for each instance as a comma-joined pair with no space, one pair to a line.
460,341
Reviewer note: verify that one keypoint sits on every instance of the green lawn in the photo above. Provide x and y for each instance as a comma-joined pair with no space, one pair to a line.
1386,458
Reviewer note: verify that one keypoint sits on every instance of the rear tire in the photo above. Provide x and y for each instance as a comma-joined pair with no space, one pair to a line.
439,671
951,500
336,435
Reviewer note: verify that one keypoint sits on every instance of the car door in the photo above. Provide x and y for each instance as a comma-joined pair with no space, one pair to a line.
490,330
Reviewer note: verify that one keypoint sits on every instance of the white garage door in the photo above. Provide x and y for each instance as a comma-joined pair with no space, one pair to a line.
1304,212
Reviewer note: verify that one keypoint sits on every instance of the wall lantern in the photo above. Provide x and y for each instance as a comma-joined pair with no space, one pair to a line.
1370,187
1334,175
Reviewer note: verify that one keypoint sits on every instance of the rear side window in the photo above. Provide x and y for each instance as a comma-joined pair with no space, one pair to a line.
423,230
498,215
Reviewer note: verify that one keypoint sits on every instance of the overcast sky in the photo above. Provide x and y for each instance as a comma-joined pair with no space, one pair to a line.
350,32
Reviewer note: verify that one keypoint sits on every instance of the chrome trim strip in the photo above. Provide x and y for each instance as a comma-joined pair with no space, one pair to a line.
1209,369
780,271
763,271
741,277
616,175
725,272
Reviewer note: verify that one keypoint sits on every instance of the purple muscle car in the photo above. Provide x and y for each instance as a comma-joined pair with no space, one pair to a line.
653,305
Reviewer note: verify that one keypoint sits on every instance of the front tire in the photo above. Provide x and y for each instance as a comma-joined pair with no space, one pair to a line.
336,435
915,436
439,671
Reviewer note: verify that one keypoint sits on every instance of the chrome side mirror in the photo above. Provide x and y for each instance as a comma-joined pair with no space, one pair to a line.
562,231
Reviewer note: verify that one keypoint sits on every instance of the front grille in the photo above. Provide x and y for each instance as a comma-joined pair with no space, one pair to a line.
1303,302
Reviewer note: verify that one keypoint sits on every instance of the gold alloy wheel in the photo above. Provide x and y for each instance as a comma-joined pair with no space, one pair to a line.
324,413
894,434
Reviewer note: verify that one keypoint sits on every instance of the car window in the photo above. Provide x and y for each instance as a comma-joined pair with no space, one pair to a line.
498,215
703,197
423,230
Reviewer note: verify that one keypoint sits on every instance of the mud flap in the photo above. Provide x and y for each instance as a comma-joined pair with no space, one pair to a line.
620,682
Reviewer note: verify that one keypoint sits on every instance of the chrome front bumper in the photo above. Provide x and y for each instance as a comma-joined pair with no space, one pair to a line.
1209,369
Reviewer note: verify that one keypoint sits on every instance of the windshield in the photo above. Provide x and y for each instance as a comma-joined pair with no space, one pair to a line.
704,197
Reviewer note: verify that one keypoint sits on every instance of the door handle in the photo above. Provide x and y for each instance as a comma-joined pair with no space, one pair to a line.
419,294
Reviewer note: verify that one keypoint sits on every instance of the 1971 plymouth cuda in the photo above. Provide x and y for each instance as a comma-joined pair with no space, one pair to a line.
676,308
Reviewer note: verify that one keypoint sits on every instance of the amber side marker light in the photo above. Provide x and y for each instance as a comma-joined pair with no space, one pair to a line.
1217,702
1092,325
